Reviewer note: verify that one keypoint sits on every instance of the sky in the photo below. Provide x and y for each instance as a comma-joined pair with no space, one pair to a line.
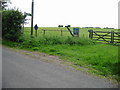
77,13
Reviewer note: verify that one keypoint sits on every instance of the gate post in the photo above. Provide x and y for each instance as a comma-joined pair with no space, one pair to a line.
90,34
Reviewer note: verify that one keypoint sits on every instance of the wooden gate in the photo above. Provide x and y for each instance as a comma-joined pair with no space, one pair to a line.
109,37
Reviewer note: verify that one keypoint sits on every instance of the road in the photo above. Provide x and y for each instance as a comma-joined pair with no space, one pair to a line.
0,66
21,71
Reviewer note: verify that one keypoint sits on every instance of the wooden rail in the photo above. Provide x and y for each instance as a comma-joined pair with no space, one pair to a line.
61,31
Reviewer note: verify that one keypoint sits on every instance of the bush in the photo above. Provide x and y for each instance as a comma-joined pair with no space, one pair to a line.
11,24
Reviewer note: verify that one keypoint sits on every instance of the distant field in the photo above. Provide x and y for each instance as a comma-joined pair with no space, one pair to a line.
63,32
83,32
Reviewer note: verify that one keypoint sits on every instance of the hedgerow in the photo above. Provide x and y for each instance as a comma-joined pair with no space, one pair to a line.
12,24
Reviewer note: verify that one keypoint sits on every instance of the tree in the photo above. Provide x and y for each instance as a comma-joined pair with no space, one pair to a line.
60,25
24,18
25,15
4,3
12,21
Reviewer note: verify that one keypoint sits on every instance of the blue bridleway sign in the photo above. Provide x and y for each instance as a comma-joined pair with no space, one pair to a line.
76,31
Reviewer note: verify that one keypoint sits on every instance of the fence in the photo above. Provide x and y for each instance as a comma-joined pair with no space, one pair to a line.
61,31
109,37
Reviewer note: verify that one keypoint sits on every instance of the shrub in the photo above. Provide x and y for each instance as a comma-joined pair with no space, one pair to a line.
11,24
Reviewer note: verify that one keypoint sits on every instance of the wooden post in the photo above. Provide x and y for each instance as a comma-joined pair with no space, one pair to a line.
36,33
112,37
44,32
70,31
32,11
61,32
90,34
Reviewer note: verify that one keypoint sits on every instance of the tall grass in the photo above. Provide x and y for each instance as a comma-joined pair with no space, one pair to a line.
53,40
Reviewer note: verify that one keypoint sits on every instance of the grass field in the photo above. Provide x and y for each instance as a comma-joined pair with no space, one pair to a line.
101,59
83,32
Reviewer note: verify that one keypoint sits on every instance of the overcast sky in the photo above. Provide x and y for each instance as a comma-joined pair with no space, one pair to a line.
77,13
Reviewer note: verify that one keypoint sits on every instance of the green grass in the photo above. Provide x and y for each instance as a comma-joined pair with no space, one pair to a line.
101,59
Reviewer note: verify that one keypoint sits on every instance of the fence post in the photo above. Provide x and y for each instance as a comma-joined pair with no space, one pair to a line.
90,34
61,32
44,32
36,33
112,37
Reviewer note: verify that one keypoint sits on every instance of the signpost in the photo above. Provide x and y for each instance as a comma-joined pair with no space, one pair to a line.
36,28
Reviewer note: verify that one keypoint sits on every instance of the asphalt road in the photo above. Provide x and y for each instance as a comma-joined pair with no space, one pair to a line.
0,67
21,71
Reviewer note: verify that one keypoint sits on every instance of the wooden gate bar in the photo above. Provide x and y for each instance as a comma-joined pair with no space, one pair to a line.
110,37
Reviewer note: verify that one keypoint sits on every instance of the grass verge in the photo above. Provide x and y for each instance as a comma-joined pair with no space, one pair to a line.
101,59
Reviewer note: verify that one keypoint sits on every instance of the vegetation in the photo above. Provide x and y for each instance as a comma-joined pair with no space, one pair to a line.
4,3
101,59
11,24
